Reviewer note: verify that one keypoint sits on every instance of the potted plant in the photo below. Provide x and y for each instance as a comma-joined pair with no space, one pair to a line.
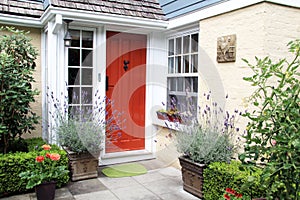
172,115
210,138
82,131
44,173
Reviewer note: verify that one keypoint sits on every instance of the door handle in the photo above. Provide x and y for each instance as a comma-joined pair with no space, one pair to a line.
126,62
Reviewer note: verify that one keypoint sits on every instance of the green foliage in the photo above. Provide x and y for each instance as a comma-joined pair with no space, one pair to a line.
12,164
273,136
84,129
45,169
220,175
210,138
16,67
204,146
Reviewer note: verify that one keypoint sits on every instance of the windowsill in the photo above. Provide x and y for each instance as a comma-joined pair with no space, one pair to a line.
167,124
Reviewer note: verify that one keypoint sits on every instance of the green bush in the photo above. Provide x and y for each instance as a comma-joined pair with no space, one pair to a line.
220,175
273,132
12,164
17,63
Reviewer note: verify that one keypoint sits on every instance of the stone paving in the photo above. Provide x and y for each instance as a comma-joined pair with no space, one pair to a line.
160,183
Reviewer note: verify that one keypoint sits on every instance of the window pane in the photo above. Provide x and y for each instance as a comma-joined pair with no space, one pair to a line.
188,84
186,64
74,111
171,47
194,63
87,112
73,93
171,65
195,84
87,76
74,76
75,42
172,101
74,57
86,95
186,44
87,58
178,64
178,46
87,39
172,84
194,43
180,84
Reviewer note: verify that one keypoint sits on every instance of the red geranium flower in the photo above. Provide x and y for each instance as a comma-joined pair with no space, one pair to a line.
226,197
39,159
48,155
46,147
54,156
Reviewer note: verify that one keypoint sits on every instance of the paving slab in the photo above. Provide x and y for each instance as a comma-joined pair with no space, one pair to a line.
100,195
163,186
134,193
178,195
85,186
113,183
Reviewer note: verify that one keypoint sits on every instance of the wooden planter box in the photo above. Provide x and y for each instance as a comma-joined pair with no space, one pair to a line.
192,176
82,166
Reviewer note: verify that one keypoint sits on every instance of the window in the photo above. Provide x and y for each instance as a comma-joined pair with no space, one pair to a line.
80,71
183,73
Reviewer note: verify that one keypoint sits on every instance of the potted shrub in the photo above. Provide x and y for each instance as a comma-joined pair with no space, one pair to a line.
82,131
203,141
44,173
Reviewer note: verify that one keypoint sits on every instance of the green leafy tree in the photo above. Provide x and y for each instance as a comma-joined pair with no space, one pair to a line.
17,56
273,134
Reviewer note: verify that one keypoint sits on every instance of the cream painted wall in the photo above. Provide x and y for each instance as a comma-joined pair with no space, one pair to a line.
261,30
35,34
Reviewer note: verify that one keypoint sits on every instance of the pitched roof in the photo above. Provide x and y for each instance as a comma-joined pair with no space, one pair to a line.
149,9
135,8
22,8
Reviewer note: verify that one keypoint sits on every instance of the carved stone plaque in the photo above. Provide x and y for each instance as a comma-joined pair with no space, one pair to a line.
226,48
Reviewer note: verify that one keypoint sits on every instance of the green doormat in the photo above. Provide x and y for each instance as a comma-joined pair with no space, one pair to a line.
124,170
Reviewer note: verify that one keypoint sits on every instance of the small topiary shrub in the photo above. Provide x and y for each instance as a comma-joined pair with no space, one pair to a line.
12,164
220,175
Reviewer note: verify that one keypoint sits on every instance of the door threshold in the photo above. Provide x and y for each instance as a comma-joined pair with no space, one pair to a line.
126,156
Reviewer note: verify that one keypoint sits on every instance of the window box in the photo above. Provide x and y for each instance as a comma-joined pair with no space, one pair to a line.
171,116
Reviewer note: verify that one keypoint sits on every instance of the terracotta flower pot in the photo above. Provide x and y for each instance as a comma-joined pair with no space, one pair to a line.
45,191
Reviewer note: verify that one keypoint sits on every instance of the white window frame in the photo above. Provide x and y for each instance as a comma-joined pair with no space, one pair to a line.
177,75
93,67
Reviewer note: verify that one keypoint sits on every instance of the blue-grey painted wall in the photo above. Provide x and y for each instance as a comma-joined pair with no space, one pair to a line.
174,8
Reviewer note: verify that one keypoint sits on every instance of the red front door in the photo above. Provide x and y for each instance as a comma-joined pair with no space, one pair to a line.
126,78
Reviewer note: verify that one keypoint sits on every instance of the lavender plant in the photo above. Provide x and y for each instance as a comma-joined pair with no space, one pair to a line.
84,128
210,136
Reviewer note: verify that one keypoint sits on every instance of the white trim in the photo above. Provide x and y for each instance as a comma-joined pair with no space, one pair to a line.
126,156
88,17
57,24
20,21
221,8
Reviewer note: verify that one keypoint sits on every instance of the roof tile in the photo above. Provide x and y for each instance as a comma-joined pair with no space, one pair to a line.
136,8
